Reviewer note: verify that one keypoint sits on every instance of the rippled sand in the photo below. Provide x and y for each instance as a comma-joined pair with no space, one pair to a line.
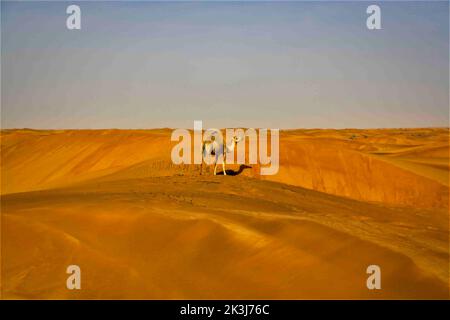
111,202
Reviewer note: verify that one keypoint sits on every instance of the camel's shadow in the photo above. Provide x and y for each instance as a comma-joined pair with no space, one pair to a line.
229,172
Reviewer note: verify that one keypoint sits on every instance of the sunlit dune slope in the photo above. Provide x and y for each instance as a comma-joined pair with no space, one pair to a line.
430,161
390,166
33,160
217,237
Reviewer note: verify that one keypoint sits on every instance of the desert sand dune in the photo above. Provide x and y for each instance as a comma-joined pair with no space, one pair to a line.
332,168
111,202
329,161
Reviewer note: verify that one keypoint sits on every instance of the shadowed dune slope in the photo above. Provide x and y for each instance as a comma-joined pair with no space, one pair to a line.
328,167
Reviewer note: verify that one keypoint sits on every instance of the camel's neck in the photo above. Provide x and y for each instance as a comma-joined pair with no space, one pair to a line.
230,147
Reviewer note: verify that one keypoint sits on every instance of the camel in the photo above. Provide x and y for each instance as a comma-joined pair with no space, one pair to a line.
218,150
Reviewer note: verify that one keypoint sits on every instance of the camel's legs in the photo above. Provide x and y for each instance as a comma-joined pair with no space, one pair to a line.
223,167
215,165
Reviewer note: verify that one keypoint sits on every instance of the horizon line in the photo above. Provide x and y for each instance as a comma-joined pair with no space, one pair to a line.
170,128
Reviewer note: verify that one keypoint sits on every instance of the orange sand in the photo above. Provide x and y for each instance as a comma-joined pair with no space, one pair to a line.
112,202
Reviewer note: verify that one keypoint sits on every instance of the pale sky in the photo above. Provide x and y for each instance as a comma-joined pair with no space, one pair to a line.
235,64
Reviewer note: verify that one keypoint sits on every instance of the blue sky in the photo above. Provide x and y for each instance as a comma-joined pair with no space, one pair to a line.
263,64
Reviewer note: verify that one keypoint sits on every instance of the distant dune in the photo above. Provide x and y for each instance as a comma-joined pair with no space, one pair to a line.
112,202
396,166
